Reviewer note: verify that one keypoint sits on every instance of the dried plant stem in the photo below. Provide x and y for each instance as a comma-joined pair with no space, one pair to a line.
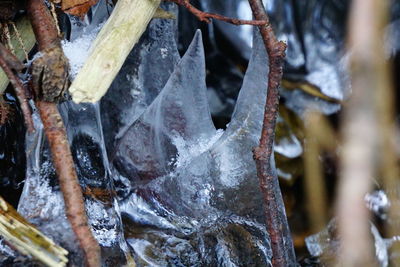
112,45
359,133
7,63
205,16
47,37
262,154
22,29
319,136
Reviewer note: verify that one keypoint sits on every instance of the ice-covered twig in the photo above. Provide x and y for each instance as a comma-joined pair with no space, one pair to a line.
116,39
262,153
8,62
206,16
54,68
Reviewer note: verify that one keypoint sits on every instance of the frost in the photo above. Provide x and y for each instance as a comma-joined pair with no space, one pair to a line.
106,236
78,50
188,151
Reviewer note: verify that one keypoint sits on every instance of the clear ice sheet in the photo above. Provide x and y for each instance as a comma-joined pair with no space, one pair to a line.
202,203
42,202
146,151
141,78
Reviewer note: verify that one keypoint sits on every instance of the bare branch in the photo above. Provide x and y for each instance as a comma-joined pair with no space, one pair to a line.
206,16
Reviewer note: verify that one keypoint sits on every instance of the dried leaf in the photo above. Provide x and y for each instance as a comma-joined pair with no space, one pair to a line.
77,7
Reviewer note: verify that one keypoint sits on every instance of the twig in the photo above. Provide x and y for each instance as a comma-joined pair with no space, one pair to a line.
262,153
47,37
72,192
7,63
206,16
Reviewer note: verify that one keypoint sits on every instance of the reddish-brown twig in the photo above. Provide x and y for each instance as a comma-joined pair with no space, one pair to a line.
8,62
206,16
54,66
262,153
72,192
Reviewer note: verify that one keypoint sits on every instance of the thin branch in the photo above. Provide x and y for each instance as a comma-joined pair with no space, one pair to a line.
262,153
69,184
206,16
55,65
7,63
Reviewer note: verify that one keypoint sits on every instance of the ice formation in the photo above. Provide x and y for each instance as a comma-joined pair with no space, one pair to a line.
143,75
42,202
192,190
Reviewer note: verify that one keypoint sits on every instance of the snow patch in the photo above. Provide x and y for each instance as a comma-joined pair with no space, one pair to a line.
78,50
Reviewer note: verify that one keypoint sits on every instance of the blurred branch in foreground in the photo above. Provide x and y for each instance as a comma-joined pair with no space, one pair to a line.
359,131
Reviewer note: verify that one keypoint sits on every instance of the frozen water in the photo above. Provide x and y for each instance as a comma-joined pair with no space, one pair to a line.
323,44
288,144
141,78
42,202
77,51
82,34
146,150
199,202
281,14
238,35
186,151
